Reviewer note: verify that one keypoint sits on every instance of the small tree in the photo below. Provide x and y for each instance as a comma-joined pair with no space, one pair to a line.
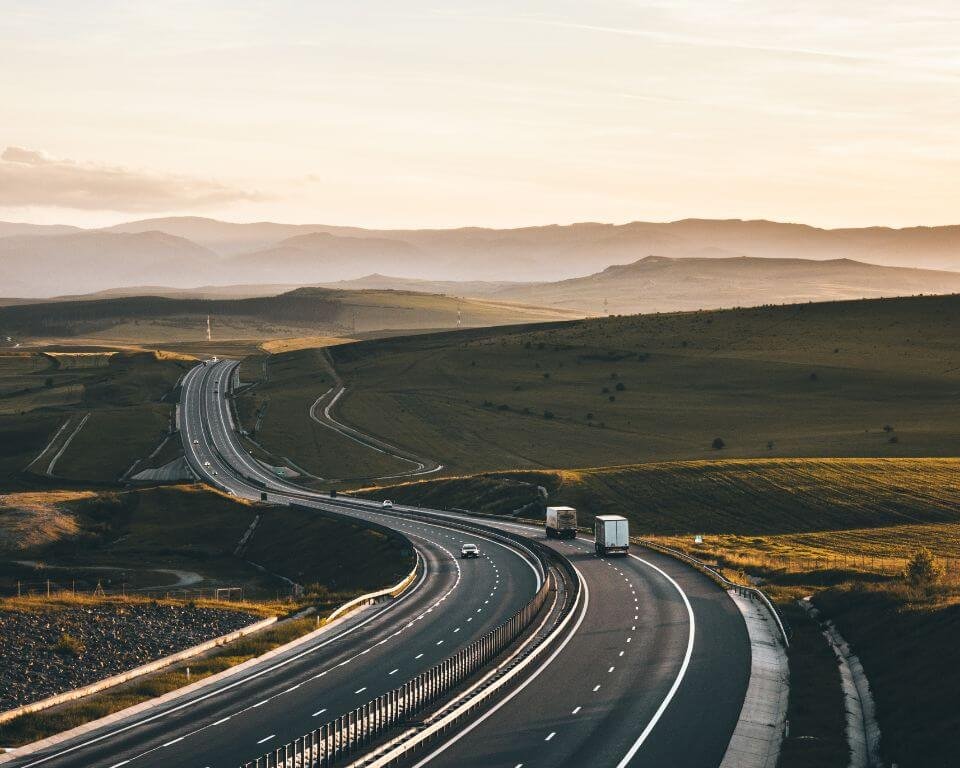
620,386
718,443
923,570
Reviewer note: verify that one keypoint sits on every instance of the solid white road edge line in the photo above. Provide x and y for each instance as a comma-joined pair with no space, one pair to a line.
680,675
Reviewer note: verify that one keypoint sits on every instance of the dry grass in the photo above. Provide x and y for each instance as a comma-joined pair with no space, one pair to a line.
276,346
66,599
35,519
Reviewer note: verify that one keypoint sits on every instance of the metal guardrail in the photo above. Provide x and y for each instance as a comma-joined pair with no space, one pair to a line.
344,737
714,574
372,598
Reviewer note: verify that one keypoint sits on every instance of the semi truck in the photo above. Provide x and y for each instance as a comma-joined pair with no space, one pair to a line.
561,523
612,535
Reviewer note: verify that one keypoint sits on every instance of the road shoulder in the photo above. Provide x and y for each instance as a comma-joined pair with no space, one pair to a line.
759,733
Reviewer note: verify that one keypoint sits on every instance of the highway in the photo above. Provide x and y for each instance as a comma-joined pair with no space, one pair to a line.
653,674
454,602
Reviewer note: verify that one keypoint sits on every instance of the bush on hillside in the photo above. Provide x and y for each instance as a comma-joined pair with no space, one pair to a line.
718,443
923,570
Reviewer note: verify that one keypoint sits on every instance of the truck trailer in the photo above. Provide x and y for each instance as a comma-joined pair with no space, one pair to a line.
561,523
612,535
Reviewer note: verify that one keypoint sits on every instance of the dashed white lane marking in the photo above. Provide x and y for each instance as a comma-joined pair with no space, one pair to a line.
596,688
621,653
267,738
361,690
575,710
124,762
418,656
222,720
610,670
259,703
393,671
439,642
172,741
552,734
318,712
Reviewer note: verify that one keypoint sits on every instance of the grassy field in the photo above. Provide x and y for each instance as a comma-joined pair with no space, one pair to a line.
738,497
868,378
127,395
276,415
192,530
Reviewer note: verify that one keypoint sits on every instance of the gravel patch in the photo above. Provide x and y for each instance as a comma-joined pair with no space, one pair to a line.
37,661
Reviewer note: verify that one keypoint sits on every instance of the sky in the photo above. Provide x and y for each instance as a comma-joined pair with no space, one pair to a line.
416,114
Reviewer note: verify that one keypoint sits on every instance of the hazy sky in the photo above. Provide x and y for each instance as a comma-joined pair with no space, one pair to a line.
409,113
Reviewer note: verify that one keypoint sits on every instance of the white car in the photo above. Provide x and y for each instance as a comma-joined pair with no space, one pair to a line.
469,550
196,442
387,504
206,463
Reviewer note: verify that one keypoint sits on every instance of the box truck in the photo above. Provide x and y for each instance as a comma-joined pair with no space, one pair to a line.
612,535
561,523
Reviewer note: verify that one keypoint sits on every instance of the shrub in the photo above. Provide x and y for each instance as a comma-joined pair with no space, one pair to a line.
923,570
546,375
887,428
612,398
503,407
548,414
620,386
718,443
68,645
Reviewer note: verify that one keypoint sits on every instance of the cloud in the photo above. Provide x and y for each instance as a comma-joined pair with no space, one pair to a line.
30,177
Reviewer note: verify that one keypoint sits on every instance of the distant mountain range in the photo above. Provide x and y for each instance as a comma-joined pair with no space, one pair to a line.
183,252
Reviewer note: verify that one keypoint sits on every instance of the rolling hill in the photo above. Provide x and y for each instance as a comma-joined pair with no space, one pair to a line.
304,311
872,378
662,284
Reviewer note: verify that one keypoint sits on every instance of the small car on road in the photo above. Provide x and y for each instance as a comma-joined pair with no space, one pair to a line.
387,504
469,550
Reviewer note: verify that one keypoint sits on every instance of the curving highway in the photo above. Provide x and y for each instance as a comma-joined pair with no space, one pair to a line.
653,674
453,602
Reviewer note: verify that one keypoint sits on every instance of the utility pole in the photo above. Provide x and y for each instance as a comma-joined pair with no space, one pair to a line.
208,327
459,316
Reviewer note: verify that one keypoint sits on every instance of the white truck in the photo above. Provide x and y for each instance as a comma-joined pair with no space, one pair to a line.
561,523
612,535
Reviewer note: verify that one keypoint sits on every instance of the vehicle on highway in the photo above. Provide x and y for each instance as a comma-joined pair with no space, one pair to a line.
561,523
612,535
469,550
387,504
206,463
196,442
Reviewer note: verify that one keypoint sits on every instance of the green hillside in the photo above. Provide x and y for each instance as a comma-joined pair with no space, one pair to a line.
865,378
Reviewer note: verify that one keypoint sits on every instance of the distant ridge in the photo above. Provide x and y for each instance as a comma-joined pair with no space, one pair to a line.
207,251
